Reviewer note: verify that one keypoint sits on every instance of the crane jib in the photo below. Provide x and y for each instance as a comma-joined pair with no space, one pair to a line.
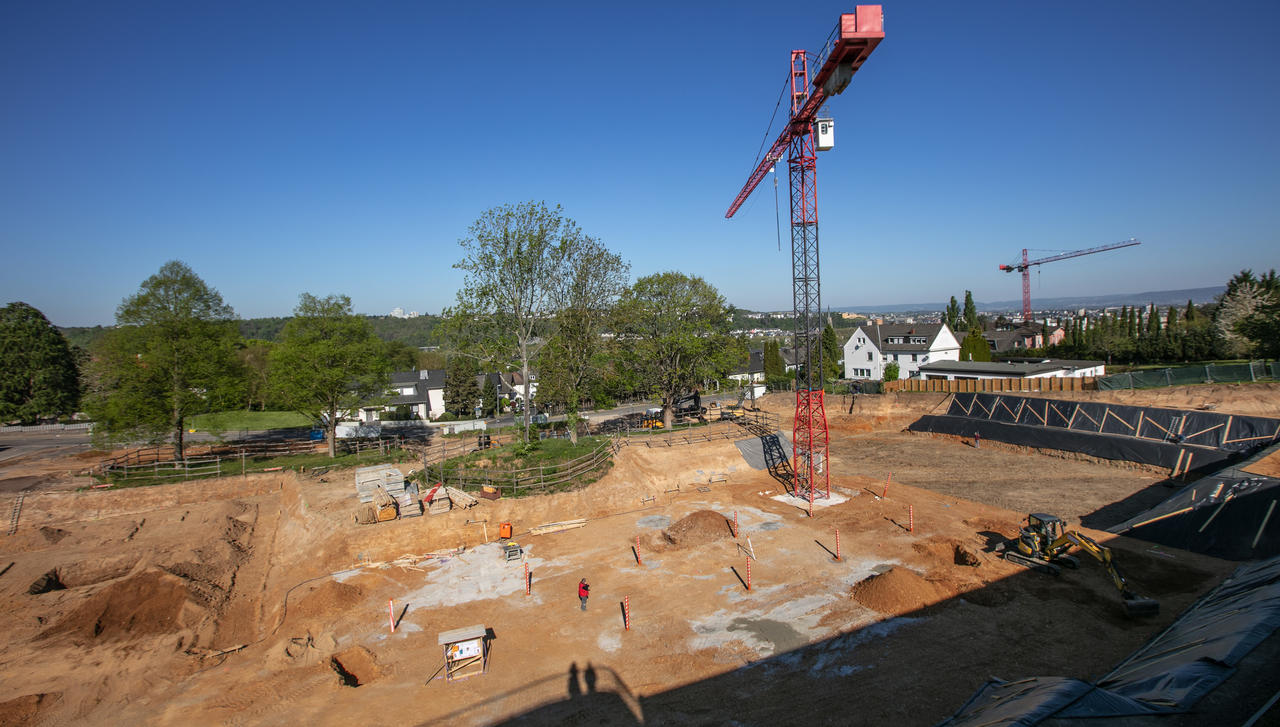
850,44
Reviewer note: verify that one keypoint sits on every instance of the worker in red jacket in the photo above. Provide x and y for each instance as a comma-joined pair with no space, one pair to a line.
583,591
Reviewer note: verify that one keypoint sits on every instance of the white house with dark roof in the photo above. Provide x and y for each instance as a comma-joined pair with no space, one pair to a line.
907,344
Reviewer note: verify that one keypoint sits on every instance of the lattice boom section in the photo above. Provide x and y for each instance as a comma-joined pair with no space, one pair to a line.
810,442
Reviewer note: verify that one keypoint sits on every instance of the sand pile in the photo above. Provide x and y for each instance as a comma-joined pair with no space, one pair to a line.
897,591
151,602
698,528
325,600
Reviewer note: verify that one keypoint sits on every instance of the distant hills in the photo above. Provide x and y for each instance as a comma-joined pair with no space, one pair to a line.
1161,298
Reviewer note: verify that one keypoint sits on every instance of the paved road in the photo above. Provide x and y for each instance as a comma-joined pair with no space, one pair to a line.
14,445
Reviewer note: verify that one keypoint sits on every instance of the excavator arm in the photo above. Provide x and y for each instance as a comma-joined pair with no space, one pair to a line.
1134,604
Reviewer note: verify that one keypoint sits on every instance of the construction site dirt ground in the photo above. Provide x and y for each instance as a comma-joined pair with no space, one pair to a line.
147,589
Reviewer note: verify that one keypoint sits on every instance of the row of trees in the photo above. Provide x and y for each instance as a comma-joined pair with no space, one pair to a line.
1244,322
538,293
176,352
541,294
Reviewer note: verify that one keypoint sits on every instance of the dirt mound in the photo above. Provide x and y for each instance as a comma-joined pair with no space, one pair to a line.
897,591
947,551
24,710
325,600
698,528
152,602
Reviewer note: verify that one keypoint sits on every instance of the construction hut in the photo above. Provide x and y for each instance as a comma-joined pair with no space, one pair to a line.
466,652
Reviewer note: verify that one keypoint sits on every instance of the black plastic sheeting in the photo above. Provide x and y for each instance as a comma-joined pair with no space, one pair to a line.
1227,432
1175,439
1106,446
1231,514
1167,675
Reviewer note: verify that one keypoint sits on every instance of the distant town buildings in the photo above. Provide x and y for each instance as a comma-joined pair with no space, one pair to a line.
398,312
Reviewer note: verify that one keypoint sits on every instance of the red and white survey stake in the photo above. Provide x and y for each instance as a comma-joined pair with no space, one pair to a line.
528,585
638,550
391,614
911,518
748,574
626,612
735,524
886,486
837,543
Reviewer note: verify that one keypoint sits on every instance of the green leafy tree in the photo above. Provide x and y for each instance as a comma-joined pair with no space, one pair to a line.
952,315
576,359
975,347
892,371
329,362
254,356
774,366
518,261
39,375
830,353
400,355
970,313
1248,315
676,335
489,396
171,355
461,392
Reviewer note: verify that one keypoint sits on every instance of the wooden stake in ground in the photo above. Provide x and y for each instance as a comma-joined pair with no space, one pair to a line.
391,614
626,613
911,518
735,524
748,574
638,550
837,544
886,486
528,585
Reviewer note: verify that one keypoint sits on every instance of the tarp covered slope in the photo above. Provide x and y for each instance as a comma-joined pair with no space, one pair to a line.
1231,513
1167,675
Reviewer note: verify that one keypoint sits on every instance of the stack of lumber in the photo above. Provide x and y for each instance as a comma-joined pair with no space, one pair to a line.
385,504
366,514
368,479
557,527
440,502
461,499
410,505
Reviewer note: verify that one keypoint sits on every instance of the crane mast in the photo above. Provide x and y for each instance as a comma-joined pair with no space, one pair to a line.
1025,266
856,35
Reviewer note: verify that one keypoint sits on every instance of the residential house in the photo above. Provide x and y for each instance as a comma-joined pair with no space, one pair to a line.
909,345
751,370
420,392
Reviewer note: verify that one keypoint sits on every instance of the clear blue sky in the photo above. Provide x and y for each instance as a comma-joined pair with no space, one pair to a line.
337,147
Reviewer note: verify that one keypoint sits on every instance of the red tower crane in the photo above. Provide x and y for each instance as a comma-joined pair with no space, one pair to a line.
1024,267
855,36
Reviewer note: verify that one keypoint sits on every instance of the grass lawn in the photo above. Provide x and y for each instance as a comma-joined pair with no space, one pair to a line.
230,421
547,459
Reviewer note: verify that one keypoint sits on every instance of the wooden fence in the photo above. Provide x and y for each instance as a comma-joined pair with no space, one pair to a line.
522,481
216,460
984,385
533,480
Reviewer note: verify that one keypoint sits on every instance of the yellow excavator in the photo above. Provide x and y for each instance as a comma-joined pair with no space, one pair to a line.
1043,545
